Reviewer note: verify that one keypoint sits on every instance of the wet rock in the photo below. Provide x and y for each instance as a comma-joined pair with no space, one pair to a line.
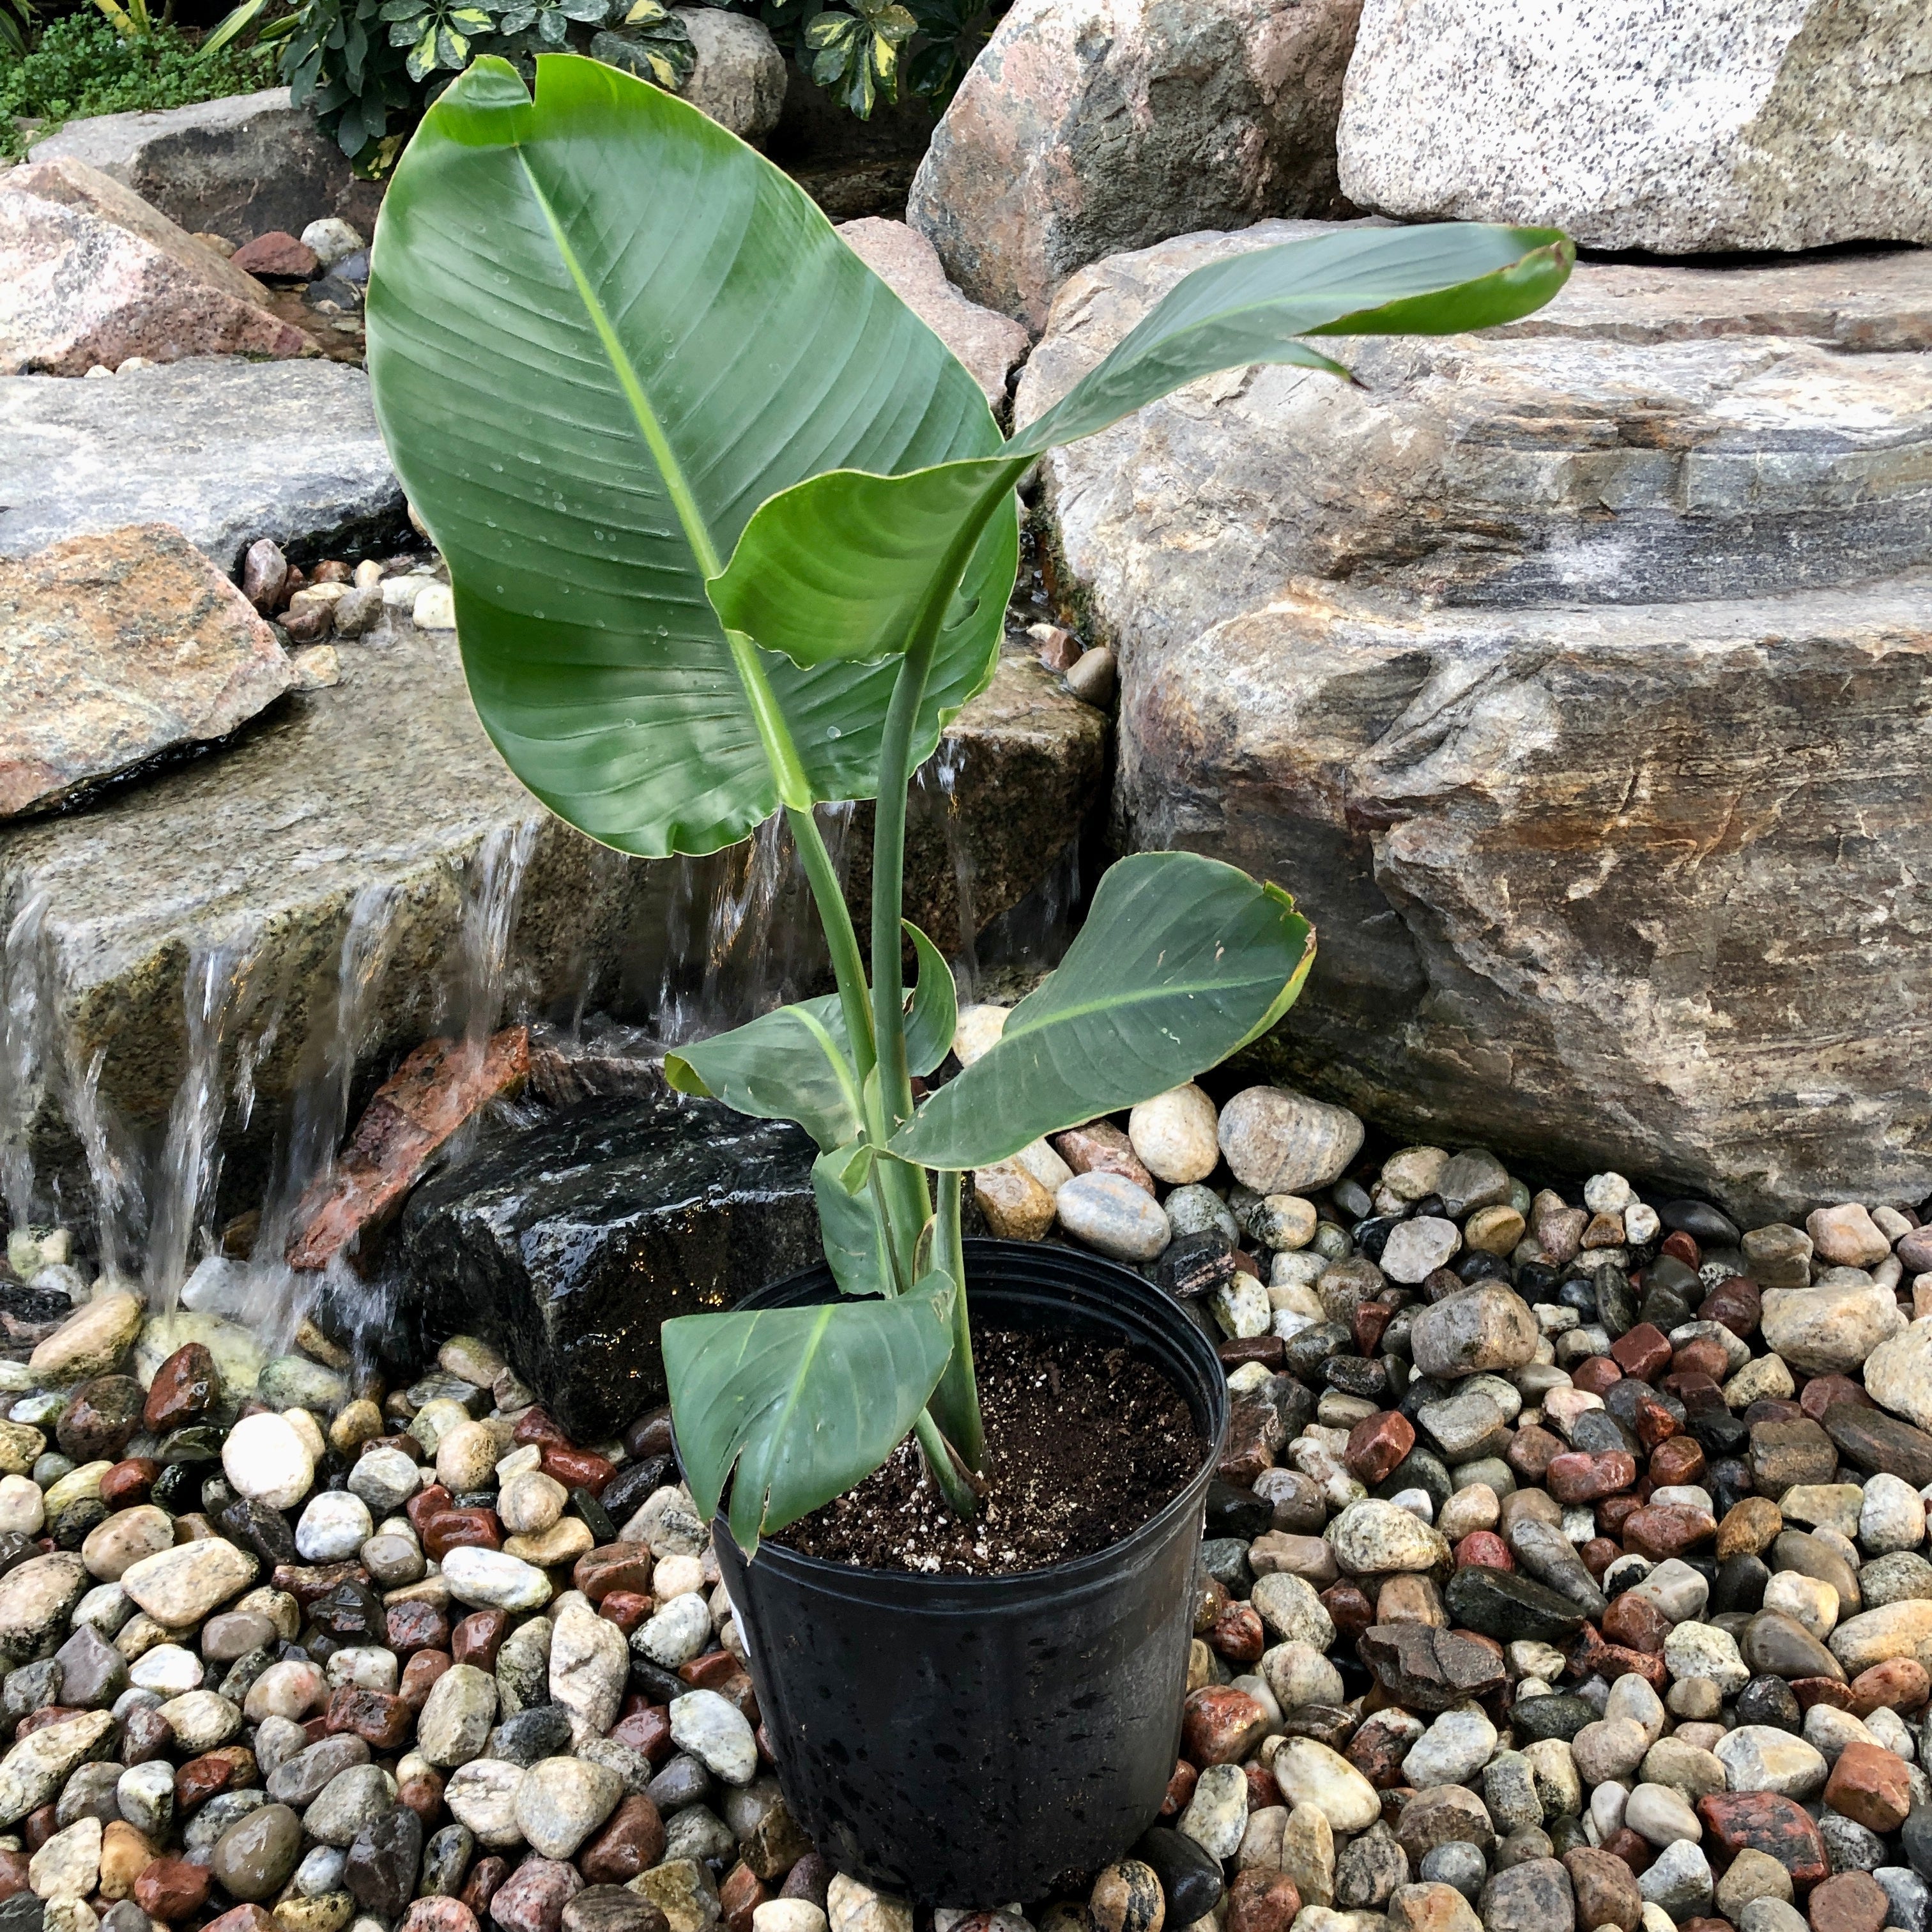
180,1586
383,1861
255,1858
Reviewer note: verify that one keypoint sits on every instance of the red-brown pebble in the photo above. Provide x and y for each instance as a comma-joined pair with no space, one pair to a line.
423,1794
485,1876
577,1468
241,1919
1260,1900
1762,1821
202,1778
534,1425
419,1676
1582,1476
1348,1608
1238,1634
185,1386
1853,1901
631,1842
1367,1325
1595,1373
1636,1623
128,1483
739,1895
1737,1302
1531,1451
426,1503
532,1899
1902,1682
172,1888
461,1529
1635,1851
1680,1460
478,1637
1376,1445
625,1609
380,1719
438,1914
615,1566
646,1732
1871,1784
1683,1247
12,1873
1823,1392
1598,1554
413,1627
1667,1529
1643,1351
1484,1550
1220,1725
1263,1792
1180,1789
1702,1356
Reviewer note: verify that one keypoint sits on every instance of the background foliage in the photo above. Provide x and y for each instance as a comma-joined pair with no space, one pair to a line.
62,69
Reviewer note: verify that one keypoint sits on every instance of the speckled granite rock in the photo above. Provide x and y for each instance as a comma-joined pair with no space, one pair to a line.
1467,658
114,649
1083,129
1792,124
90,274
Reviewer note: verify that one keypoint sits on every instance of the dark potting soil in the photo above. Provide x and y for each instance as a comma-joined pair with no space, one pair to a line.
1084,1444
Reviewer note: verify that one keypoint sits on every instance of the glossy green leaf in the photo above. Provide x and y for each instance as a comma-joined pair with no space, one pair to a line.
843,565
1182,960
804,1402
789,1064
851,1228
932,1016
601,332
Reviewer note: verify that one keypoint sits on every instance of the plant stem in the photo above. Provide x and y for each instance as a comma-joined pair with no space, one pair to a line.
835,917
952,1482
957,1397
889,875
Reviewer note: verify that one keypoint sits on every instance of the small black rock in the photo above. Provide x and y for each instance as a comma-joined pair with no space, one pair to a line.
1237,1512
1190,1876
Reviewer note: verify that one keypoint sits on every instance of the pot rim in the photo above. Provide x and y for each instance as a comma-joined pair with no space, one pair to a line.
1098,1569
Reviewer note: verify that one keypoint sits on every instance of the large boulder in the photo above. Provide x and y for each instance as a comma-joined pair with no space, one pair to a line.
114,649
227,451
239,168
90,274
572,1244
1086,126
1565,675
988,344
739,75
1790,125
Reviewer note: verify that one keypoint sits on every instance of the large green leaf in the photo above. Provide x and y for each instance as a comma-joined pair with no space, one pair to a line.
842,565
1182,960
789,1064
805,1402
601,332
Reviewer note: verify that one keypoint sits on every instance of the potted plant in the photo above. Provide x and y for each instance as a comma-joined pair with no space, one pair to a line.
730,531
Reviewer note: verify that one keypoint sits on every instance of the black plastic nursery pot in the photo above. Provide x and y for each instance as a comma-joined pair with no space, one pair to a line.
968,1739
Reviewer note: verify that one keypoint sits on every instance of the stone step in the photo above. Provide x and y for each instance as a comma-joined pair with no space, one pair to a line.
1570,676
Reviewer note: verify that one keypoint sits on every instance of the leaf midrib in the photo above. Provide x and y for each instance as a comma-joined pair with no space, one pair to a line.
677,485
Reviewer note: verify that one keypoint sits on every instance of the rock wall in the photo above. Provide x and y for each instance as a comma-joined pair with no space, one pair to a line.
1573,678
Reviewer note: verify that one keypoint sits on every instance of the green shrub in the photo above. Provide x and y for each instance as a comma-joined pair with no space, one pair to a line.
79,66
